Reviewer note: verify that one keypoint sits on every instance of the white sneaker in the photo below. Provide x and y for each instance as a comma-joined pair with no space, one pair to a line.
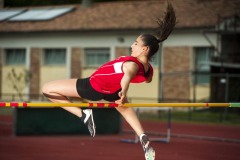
87,118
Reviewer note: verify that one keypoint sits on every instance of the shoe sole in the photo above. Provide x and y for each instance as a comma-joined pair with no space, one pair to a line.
150,155
94,130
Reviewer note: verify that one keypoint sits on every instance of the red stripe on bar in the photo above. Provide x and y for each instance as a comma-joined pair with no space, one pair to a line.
90,104
24,104
206,104
14,104
100,105
2,104
113,105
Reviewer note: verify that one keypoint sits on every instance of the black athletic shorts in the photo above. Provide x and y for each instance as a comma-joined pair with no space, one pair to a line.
86,91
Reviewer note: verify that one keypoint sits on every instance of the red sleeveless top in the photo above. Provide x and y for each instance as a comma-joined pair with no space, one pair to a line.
106,79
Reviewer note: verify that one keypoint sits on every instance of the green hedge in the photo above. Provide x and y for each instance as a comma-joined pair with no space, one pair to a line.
56,121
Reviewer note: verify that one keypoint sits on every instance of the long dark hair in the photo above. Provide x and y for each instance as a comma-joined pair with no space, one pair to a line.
164,29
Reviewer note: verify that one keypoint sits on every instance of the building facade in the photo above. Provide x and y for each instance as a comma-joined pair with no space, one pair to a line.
73,44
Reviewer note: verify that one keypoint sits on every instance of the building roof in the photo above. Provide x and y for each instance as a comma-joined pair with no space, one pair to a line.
128,15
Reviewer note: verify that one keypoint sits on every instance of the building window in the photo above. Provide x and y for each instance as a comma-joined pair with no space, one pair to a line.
94,57
54,57
15,56
202,64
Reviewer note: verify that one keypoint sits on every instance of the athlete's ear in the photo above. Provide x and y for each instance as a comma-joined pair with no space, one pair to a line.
146,49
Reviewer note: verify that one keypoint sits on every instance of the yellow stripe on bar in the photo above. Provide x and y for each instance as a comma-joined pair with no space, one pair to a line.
177,104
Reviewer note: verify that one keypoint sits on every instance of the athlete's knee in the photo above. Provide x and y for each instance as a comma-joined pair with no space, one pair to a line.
47,88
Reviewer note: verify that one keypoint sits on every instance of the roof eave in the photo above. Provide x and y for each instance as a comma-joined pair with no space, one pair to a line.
181,28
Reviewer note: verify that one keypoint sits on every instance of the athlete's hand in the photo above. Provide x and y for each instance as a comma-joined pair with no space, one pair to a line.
123,99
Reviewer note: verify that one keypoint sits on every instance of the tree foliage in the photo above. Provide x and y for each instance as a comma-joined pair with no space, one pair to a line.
18,81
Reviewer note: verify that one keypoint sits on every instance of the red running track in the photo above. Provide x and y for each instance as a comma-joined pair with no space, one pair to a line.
110,148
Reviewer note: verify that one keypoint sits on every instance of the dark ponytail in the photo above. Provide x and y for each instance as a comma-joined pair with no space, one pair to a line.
165,27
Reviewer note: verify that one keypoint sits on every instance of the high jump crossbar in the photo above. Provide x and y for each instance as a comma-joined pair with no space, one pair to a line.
113,105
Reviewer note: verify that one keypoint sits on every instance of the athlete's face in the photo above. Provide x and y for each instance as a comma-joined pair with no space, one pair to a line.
138,47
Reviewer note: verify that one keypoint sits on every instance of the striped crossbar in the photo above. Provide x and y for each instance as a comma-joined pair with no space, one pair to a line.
113,105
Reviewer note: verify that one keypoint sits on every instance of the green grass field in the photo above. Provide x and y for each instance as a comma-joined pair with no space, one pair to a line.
6,111
197,116
194,116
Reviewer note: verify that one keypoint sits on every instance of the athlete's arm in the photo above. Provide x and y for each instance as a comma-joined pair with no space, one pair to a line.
130,70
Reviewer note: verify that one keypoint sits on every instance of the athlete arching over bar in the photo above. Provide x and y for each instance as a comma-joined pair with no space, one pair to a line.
111,81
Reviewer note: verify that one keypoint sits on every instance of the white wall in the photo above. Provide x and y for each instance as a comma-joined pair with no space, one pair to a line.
190,38
105,39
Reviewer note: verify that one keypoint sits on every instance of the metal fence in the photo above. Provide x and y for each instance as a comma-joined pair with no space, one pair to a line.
179,87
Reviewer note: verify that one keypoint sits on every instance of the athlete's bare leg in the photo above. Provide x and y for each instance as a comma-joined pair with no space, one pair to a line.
59,91
131,117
